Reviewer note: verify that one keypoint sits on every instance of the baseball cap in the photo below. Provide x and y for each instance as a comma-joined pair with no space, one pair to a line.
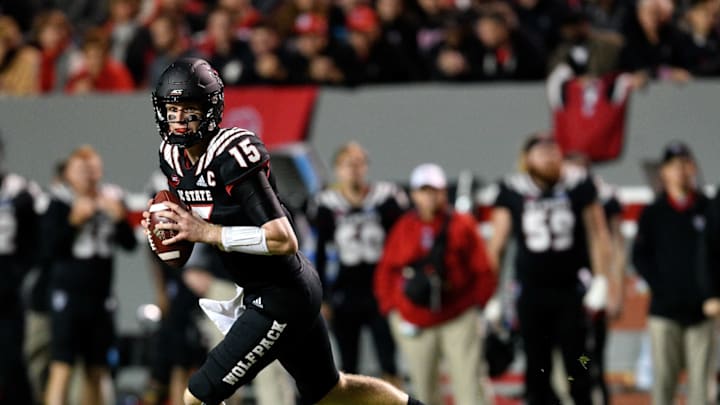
676,149
311,23
428,175
363,19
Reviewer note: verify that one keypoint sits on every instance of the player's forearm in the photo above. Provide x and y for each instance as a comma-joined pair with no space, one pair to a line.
275,237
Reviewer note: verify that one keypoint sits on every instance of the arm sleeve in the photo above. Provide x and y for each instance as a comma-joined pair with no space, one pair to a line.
643,248
257,196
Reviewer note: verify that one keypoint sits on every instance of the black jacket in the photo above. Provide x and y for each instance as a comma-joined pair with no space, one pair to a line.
670,253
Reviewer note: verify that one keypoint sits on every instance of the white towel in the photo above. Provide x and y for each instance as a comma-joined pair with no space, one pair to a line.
224,313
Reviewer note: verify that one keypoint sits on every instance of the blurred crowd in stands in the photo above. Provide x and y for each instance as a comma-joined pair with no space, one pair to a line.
50,46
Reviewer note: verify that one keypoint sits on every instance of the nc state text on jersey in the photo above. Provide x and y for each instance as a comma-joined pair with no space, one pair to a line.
189,196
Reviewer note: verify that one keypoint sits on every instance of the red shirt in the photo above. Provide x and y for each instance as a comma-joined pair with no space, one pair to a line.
114,77
468,275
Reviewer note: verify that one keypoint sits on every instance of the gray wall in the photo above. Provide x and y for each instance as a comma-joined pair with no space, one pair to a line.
478,127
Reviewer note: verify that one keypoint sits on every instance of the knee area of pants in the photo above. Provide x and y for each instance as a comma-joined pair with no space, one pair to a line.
200,391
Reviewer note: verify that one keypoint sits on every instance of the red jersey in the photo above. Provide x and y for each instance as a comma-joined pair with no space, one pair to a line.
589,114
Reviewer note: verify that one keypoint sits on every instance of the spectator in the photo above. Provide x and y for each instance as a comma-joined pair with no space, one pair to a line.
451,56
168,43
224,51
288,12
52,33
607,15
122,27
502,53
18,240
379,61
399,29
243,16
81,227
267,59
19,63
99,72
540,19
653,43
353,217
313,58
596,52
703,50
82,14
433,18
190,15
554,215
670,254
433,240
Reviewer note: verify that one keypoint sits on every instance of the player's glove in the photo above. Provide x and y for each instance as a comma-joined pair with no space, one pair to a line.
596,296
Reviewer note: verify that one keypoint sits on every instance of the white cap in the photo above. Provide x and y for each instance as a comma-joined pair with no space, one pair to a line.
428,174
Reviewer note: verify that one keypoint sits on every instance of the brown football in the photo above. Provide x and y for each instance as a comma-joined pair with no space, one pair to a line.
178,253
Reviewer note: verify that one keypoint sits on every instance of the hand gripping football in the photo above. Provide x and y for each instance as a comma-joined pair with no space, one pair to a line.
176,254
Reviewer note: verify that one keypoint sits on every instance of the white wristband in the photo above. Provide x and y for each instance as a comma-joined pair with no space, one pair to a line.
244,239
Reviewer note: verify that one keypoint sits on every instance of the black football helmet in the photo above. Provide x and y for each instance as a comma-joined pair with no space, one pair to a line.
189,79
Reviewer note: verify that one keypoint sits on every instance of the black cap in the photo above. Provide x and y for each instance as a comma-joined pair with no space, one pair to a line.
676,149
536,139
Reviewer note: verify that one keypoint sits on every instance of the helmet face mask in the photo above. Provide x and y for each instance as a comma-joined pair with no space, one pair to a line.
189,80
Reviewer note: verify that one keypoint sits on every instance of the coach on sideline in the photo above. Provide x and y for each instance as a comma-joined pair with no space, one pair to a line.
670,254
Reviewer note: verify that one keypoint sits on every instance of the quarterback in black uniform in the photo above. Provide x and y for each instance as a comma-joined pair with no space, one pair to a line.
554,215
18,232
223,174
354,216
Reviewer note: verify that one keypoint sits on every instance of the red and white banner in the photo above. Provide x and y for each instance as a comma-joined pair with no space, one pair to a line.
278,115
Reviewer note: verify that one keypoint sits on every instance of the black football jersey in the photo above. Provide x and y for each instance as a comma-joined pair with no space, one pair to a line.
80,258
232,155
357,233
18,231
548,226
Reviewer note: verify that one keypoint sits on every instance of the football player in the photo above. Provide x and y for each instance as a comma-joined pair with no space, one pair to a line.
82,227
224,175
354,216
558,224
18,237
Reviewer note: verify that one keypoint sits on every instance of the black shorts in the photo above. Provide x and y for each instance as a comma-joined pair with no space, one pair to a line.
293,333
81,328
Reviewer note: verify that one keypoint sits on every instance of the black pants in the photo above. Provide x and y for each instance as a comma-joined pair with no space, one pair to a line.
14,382
596,345
347,327
554,318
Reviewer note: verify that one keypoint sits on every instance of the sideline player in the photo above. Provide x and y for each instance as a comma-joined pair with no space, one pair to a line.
355,215
224,175
18,235
558,223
